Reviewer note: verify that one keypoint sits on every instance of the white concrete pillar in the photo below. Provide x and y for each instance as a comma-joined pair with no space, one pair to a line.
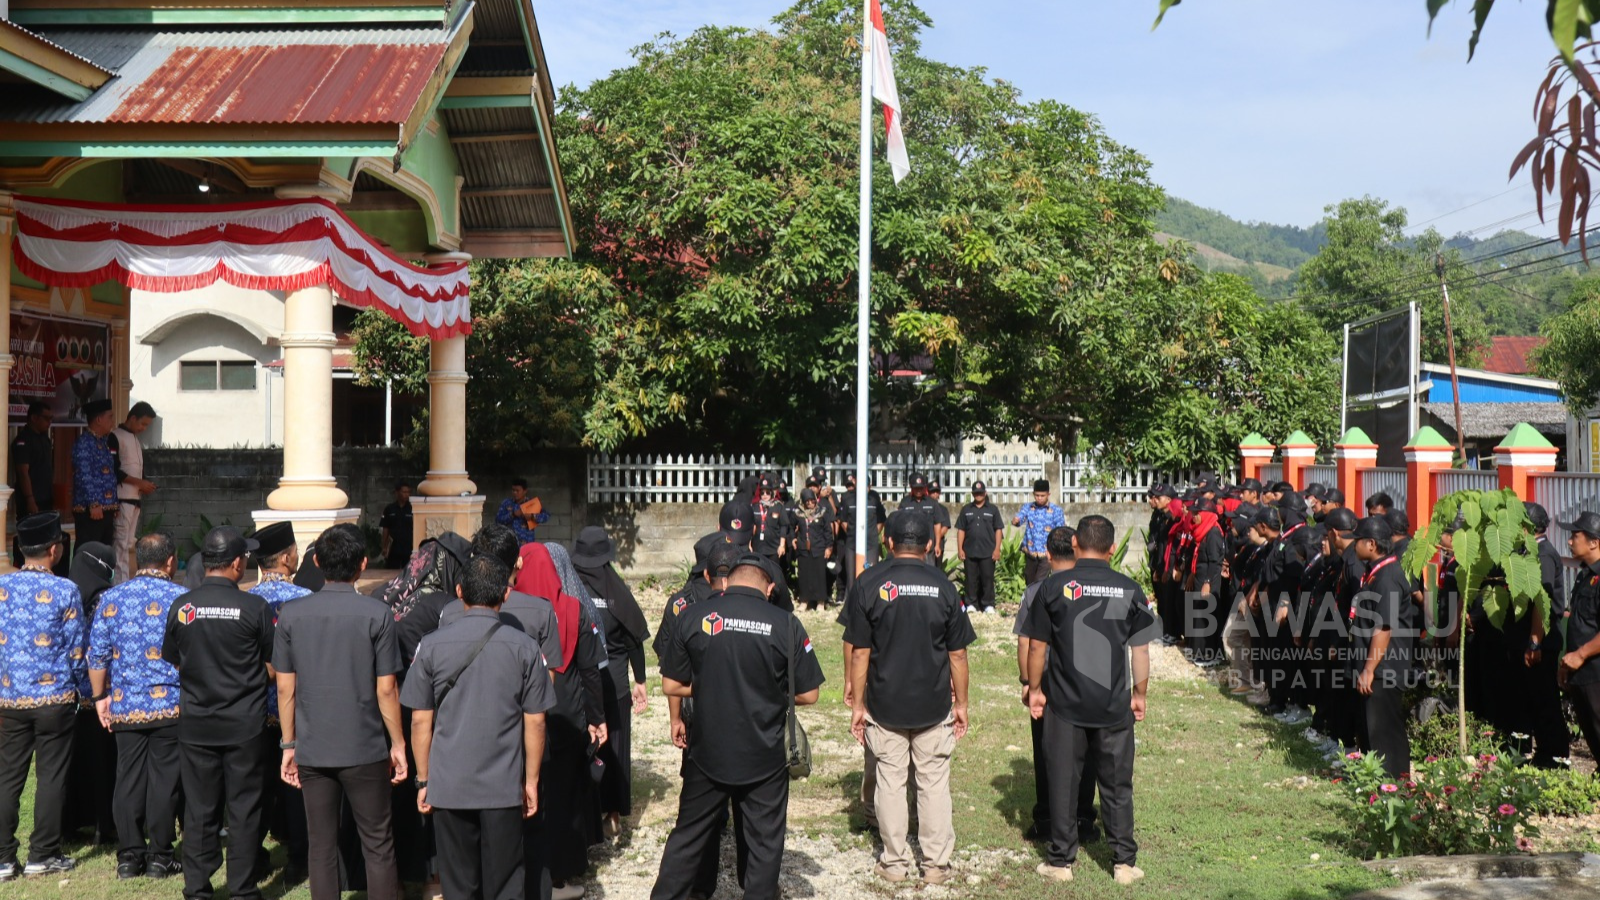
308,340
7,228
447,421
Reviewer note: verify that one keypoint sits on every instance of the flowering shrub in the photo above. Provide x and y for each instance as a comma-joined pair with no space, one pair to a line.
1448,804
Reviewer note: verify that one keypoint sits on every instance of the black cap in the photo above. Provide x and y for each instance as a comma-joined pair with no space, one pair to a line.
1282,487
95,408
808,495
1588,523
273,539
1292,501
1250,484
1190,495
1164,490
1377,528
1316,490
979,487
1537,516
1340,519
1246,514
722,556
39,529
593,548
820,474
1271,517
224,544
813,481
769,483
751,559
919,480
933,486
850,479
909,527
1205,504
1206,482
1333,495
1399,523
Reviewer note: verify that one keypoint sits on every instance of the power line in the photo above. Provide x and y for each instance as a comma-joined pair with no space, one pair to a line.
1467,207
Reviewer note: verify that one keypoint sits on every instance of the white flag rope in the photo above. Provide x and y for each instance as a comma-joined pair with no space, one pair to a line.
278,245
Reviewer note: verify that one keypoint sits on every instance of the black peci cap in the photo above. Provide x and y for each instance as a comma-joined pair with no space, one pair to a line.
1588,523
273,539
95,408
39,529
1374,527
1340,519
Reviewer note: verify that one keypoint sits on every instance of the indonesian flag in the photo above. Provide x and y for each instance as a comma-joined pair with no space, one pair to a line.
884,91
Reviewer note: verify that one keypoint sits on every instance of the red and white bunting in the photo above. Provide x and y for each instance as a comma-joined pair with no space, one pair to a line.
885,92
277,245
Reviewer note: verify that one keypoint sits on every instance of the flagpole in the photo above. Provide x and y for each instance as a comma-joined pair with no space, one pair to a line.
864,290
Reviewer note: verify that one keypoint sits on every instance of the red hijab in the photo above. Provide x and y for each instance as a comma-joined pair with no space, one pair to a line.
538,578
1204,521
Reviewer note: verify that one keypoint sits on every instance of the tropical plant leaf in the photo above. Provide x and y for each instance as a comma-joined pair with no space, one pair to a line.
1491,541
1472,513
1468,547
1522,575
1419,554
1489,501
1496,603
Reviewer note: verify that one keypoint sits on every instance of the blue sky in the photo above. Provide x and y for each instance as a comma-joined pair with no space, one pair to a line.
1266,109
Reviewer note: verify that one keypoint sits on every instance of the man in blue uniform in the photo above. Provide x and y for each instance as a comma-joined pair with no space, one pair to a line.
1037,519
42,680
137,700
94,477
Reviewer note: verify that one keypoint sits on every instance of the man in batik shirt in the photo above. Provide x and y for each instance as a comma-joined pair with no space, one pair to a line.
94,477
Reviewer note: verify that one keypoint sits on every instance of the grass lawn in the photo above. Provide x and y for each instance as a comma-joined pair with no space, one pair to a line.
1227,804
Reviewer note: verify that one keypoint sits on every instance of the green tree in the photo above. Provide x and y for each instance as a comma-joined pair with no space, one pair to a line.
1370,266
1573,351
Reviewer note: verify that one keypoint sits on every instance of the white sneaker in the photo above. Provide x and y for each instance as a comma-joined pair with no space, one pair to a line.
567,892
991,611
1294,715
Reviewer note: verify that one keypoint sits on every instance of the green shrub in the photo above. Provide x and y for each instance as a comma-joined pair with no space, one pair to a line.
1449,805
1439,736
1564,792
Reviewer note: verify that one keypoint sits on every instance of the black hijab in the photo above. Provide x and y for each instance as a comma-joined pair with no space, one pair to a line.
604,582
93,569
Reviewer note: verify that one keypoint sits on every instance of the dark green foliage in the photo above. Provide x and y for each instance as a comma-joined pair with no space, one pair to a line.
1258,242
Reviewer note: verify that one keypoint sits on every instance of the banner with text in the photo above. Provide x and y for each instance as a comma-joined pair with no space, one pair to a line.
64,362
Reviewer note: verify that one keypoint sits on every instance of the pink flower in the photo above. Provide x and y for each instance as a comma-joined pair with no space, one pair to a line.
1353,754
1373,799
1450,789
1411,785
1525,845
1507,809
1488,757
1388,788
1432,759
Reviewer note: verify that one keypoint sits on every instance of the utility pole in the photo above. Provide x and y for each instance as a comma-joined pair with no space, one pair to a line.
1450,343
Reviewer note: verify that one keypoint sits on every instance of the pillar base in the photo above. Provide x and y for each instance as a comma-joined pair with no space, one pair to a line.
437,515
308,524
309,494
446,484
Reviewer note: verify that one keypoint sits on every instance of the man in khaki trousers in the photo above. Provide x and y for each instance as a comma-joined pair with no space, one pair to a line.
909,633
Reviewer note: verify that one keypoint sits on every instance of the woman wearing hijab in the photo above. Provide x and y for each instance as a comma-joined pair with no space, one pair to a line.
93,775
1205,583
575,730
813,537
625,631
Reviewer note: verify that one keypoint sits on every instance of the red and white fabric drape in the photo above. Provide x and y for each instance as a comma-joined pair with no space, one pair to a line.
277,245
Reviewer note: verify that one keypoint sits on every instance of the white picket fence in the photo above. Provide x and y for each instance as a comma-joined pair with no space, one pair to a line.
1083,482
642,478
1009,478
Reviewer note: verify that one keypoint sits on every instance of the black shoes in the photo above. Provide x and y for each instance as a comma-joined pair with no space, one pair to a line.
132,867
50,865
163,867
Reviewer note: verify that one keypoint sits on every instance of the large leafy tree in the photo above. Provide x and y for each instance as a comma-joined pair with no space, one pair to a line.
714,187
1570,356
1369,266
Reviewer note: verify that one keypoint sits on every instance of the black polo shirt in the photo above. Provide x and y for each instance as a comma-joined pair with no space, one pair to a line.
36,451
733,648
534,615
912,621
1383,601
847,516
337,643
1089,615
220,638
476,761
398,520
980,527
1583,621
928,506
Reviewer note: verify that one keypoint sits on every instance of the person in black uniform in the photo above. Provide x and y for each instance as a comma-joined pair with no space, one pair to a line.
1090,700
771,524
220,639
739,531
1328,635
397,527
33,455
625,631
1202,624
479,755
1384,628
941,521
1161,522
733,656
978,530
1580,663
1551,740
337,658
1282,568
846,556
910,639
813,547
919,501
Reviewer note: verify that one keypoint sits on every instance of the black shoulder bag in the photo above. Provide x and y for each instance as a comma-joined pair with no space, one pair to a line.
797,744
472,657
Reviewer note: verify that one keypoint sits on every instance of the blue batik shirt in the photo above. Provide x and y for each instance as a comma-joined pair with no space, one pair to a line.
508,517
277,590
94,472
42,641
125,641
1037,523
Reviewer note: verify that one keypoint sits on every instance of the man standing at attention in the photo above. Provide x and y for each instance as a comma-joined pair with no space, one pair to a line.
514,512
909,659
220,640
481,750
94,478
34,455
1082,625
136,695
978,530
41,619
336,660
921,500
1037,519
277,559
396,525
132,487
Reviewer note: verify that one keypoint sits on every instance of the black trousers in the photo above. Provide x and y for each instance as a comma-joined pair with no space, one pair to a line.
1041,782
480,853
47,732
1037,568
1586,703
1551,740
283,807
1066,750
87,530
761,813
91,781
146,801
214,777
1385,713
813,581
616,789
980,582
367,788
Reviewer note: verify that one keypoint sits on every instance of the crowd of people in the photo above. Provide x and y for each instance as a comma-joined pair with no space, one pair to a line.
467,724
